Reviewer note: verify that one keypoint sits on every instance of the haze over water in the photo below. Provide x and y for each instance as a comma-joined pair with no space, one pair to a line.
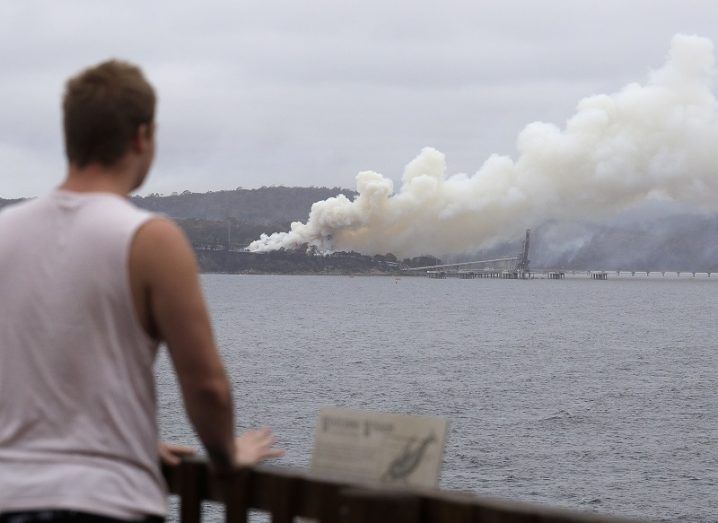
593,395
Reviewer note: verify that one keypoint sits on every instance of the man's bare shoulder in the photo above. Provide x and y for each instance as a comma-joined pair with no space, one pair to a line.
160,229
160,245
163,271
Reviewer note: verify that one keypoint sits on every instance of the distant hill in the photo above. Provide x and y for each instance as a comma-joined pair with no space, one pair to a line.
240,216
264,206
237,217
4,202
657,242
687,242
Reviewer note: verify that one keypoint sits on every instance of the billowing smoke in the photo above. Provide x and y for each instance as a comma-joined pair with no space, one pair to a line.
651,142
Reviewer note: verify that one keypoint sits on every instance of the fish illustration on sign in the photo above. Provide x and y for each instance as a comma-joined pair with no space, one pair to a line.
405,463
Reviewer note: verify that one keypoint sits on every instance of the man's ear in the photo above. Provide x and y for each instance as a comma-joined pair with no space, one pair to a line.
142,137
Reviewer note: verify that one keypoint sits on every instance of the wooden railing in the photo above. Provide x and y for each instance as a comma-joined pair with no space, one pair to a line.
287,494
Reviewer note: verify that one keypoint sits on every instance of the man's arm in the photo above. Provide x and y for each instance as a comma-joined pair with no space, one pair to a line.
170,306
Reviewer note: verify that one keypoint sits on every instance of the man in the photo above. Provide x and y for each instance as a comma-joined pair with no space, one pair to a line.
89,286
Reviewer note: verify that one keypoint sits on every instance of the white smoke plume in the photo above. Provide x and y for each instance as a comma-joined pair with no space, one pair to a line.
651,142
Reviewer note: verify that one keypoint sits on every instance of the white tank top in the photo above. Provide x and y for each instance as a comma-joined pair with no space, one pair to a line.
77,402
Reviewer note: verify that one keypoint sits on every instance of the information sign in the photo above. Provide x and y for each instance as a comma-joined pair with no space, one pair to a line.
373,446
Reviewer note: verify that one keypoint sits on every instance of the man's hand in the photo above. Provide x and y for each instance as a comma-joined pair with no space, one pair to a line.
254,446
171,454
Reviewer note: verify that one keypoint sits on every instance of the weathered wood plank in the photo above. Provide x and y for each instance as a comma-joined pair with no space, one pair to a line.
288,493
359,505
452,510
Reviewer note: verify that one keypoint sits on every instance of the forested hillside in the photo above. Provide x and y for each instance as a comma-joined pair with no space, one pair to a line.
264,206
236,217
686,242
4,202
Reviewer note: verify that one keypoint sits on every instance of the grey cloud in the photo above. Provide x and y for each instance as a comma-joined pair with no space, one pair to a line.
300,93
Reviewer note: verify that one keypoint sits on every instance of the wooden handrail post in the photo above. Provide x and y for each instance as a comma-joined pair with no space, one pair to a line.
192,480
236,496
283,500
378,506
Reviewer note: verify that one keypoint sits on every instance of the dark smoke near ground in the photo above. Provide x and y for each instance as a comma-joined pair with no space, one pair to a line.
679,242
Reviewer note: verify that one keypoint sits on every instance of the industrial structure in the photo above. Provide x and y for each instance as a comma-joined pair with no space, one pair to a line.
518,268
509,268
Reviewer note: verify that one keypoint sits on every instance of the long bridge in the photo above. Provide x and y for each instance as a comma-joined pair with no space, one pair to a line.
517,268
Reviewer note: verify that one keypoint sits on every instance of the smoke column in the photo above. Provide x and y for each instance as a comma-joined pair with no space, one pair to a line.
651,142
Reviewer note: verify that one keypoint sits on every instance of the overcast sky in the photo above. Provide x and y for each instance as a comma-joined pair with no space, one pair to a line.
310,92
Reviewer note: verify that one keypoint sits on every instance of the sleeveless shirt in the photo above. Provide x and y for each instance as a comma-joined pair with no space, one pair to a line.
77,401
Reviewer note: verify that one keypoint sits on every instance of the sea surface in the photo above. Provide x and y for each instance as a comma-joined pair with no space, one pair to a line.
600,396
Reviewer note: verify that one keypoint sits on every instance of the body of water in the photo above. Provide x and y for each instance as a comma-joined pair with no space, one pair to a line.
594,395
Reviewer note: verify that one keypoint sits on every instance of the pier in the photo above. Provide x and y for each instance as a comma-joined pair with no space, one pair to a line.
509,268
471,275
289,494
517,268
555,274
